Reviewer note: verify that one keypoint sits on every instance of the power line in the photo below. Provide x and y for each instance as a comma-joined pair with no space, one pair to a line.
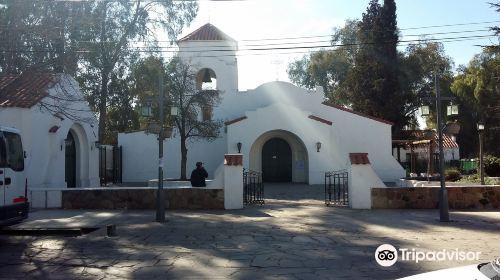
277,44
6,27
401,43
409,28
318,46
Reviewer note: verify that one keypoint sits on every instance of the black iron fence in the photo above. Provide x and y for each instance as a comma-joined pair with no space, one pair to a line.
337,188
253,187
110,164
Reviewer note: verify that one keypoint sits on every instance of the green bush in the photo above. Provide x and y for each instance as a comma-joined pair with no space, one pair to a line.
492,166
452,174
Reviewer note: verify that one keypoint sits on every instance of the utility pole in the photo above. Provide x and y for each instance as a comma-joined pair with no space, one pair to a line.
444,215
160,198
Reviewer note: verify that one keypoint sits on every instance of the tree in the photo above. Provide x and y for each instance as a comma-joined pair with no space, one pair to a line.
122,115
100,37
496,30
478,92
194,121
418,65
112,29
40,34
365,70
328,68
373,83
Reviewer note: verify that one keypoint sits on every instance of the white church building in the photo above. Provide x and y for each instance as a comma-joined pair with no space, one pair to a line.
289,133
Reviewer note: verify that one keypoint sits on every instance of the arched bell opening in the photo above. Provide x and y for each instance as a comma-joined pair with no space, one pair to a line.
206,79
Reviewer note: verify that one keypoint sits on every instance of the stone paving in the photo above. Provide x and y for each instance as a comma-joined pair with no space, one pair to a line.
292,236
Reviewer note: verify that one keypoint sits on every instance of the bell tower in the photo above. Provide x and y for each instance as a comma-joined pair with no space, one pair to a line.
212,55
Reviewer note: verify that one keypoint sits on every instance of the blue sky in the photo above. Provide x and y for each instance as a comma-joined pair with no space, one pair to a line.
264,19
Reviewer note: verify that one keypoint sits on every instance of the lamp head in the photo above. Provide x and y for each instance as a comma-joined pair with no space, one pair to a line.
318,146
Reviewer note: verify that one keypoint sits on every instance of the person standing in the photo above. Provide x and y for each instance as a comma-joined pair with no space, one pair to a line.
198,176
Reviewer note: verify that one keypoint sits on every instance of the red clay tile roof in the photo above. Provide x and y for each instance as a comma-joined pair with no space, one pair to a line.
235,120
25,90
313,117
207,32
416,135
359,158
357,113
233,159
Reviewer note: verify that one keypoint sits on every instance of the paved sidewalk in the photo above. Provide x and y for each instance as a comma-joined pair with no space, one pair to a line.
292,236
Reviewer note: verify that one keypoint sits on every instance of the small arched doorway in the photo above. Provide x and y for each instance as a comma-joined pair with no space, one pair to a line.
276,161
70,160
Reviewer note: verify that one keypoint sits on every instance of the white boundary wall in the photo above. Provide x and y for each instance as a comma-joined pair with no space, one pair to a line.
362,178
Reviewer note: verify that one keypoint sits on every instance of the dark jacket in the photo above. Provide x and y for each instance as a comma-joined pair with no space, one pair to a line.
198,177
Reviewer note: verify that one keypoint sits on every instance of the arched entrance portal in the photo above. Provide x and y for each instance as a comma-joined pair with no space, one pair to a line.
277,161
291,163
70,161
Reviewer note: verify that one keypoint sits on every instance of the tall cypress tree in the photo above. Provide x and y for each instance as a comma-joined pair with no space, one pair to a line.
374,85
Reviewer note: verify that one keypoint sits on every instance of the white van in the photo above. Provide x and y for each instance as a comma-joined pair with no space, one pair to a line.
14,203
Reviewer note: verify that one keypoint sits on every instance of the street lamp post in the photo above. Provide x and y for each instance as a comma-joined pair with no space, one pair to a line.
480,129
159,129
444,213
160,198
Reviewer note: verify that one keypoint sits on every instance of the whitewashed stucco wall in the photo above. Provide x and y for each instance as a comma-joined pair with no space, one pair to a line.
235,105
140,156
280,117
360,134
224,65
362,179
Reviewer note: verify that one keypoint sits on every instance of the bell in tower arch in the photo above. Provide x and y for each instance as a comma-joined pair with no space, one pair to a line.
206,79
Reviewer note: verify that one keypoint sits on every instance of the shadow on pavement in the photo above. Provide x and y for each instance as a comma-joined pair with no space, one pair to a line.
292,236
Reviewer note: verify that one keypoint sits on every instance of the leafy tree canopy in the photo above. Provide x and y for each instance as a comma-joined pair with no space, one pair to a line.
478,92
96,40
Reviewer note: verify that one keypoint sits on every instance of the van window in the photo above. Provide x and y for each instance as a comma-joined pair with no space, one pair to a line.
15,154
3,152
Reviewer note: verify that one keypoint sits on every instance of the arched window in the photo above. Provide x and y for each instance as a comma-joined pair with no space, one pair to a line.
206,79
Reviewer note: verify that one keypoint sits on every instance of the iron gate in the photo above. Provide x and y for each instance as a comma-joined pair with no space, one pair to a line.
253,187
336,188
110,164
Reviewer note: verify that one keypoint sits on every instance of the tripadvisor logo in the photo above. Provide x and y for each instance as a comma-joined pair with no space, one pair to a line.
387,255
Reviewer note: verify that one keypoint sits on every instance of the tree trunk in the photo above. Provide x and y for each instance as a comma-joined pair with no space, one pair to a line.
102,106
103,93
183,158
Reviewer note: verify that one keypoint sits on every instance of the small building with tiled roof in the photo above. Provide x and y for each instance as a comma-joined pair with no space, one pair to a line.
58,129
288,133
414,148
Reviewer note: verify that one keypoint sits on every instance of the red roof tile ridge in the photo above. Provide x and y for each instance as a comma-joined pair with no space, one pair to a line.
417,134
235,120
26,89
359,158
316,118
207,32
329,104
